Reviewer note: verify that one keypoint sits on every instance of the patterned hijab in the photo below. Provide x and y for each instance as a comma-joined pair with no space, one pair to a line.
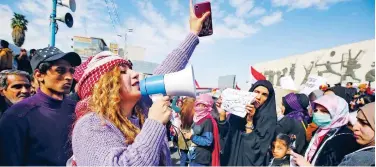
339,112
90,72
296,106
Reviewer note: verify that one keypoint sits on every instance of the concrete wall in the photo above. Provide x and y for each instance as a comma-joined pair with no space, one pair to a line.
352,62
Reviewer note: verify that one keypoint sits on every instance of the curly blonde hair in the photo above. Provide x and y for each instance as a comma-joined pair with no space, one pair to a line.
105,101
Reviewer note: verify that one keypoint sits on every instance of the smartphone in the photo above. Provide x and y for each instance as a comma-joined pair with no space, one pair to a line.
207,26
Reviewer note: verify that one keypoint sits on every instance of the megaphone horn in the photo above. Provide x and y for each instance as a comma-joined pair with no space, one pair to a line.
181,83
71,4
67,19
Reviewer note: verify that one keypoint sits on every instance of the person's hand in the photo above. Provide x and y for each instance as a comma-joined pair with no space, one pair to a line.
251,110
222,112
195,23
160,110
188,135
299,160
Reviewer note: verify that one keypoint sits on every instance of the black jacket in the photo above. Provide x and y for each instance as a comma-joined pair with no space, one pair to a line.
290,126
335,148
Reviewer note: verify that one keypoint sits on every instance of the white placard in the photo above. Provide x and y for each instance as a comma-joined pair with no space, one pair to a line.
234,101
313,83
287,83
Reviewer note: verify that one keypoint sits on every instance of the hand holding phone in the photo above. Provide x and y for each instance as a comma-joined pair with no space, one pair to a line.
198,19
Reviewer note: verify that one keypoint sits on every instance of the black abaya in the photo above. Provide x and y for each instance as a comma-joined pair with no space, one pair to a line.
241,149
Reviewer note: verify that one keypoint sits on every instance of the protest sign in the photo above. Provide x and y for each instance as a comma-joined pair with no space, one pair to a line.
287,83
313,83
234,101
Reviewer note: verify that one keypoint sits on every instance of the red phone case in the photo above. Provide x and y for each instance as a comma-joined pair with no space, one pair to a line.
207,26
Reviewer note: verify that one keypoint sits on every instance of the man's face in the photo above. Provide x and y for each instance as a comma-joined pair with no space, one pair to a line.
58,78
18,88
348,85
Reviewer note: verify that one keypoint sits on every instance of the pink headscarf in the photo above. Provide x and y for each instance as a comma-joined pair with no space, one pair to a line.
201,113
339,112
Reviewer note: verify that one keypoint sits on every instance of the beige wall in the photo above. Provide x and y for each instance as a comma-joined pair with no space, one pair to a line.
363,64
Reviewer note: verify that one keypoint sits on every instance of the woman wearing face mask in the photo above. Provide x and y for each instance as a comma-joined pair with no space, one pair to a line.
364,131
333,140
294,114
204,150
247,140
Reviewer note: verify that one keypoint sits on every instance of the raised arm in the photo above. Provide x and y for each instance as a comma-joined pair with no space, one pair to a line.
178,58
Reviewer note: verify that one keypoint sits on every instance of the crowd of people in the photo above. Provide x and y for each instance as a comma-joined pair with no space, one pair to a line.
57,111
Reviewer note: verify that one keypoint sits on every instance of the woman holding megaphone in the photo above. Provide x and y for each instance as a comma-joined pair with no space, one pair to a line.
108,132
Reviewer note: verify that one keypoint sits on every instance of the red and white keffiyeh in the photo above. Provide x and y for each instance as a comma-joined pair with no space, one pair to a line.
89,73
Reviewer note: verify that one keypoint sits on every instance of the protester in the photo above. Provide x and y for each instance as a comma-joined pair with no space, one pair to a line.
364,131
186,115
352,91
23,62
281,149
362,90
312,127
333,140
293,109
34,86
205,148
295,106
35,131
32,52
14,87
105,117
250,149
6,56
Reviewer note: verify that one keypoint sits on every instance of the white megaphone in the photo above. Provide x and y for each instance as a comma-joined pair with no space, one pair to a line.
67,19
180,83
71,4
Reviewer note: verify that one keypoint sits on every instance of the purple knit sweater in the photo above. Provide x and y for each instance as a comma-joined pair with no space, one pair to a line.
100,143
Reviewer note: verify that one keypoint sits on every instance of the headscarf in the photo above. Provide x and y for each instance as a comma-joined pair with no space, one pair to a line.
339,112
362,86
203,114
208,101
367,112
296,106
89,74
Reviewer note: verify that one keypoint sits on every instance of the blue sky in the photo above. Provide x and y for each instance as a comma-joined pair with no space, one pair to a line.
246,32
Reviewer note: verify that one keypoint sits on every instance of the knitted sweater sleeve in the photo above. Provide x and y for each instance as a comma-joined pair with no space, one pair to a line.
98,144
178,58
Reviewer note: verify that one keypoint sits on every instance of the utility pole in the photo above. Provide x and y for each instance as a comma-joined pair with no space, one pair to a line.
67,18
53,23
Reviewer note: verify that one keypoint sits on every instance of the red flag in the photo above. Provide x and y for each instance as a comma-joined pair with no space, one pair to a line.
255,75
196,83
237,87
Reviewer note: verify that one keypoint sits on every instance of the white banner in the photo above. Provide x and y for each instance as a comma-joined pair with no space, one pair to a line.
287,83
313,83
234,101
